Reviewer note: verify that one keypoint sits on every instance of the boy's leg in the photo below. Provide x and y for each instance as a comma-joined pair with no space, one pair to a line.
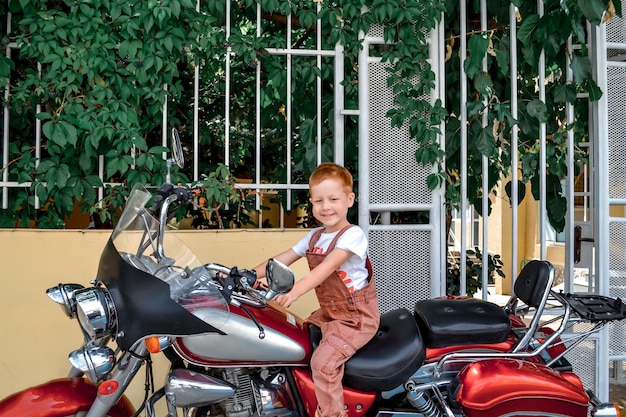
339,343
327,365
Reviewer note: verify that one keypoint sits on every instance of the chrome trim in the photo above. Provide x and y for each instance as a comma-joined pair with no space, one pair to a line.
63,294
185,388
95,361
95,312
241,337
605,410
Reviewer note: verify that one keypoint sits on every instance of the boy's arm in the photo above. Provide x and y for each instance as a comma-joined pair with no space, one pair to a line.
287,257
315,277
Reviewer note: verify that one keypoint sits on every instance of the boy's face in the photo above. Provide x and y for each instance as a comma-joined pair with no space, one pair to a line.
331,202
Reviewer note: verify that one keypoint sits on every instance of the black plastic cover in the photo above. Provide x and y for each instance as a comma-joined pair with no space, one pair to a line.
143,303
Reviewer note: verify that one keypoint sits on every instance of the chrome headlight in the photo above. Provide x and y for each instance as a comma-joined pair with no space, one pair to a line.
63,294
95,312
95,361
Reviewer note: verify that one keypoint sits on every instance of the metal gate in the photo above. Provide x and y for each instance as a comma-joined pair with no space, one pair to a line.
612,230
409,258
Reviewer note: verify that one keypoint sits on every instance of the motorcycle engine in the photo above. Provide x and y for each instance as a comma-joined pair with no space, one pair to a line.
260,392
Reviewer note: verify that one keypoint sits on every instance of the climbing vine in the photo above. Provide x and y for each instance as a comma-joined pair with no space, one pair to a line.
93,75
488,102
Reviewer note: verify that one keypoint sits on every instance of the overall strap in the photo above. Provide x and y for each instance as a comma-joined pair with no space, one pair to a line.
317,234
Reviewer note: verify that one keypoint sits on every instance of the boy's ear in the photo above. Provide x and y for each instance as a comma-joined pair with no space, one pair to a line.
351,198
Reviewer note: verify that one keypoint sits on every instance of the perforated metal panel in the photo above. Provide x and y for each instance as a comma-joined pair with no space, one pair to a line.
616,96
616,30
617,283
395,175
583,358
615,242
407,255
400,287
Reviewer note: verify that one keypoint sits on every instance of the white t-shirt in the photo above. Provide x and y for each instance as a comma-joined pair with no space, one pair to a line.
353,271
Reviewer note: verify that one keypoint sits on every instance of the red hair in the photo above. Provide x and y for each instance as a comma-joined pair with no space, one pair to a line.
329,170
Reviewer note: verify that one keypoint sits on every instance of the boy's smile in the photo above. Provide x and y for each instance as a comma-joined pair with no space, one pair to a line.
331,201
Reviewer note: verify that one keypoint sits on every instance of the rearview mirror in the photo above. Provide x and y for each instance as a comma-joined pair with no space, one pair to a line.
280,278
177,149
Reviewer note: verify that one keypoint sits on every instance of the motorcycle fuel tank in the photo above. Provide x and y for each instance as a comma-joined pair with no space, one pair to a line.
272,337
519,388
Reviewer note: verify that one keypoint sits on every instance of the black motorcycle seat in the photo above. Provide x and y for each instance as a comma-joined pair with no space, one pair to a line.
393,354
462,321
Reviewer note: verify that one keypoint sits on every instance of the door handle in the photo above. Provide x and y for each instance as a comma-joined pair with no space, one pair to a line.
578,239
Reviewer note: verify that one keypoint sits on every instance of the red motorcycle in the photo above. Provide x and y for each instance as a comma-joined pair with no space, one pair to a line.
233,354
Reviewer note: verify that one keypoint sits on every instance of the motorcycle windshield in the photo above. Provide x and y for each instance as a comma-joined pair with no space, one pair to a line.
155,281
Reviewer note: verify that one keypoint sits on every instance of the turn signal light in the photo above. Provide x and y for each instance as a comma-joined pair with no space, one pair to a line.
155,344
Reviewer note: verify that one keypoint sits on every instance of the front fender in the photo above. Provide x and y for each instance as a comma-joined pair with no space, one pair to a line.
58,398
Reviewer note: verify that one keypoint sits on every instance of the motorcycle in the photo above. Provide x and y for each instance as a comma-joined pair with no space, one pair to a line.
233,353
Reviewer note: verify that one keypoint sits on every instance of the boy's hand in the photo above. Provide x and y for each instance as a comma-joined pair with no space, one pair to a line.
285,300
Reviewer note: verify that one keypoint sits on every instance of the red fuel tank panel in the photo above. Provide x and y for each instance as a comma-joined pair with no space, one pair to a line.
519,388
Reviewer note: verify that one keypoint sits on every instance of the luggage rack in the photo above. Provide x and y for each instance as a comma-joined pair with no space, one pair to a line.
595,308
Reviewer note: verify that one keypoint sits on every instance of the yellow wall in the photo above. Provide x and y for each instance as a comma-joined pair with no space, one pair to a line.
527,238
36,334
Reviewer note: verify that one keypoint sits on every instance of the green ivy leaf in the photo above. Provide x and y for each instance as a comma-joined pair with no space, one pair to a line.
538,110
483,83
481,139
565,93
527,29
581,68
62,175
477,47
593,9
521,191
594,91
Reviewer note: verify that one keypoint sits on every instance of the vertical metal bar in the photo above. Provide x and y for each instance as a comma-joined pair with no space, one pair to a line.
601,195
318,109
463,162
364,137
38,137
485,173
542,148
340,104
196,116
289,115
101,175
5,132
439,260
257,127
569,190
164,122
164,130
227,90
514,141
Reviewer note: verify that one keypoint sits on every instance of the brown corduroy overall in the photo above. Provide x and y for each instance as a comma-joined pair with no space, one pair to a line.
347,320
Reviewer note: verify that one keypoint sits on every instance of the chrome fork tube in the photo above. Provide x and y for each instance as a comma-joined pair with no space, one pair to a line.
125,370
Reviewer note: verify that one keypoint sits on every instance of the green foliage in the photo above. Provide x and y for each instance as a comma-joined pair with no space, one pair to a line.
474,274
218,190
98,93
488,103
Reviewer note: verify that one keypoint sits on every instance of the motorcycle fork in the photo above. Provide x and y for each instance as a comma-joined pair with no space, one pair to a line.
125,370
